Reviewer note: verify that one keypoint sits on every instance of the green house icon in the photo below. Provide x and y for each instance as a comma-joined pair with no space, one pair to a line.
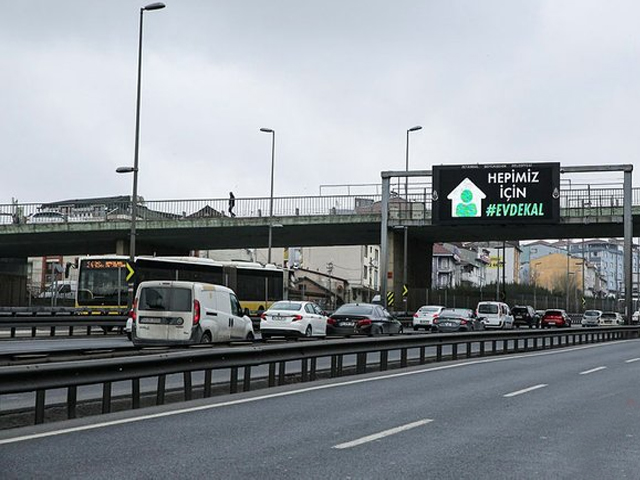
466,200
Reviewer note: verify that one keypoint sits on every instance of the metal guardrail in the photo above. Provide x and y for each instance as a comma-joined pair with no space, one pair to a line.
413,350
69,324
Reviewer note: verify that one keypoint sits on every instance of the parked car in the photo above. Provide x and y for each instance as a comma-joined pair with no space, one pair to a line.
591,318
181,312
611,318
525,315
362,318
457,320
293,319
423,318
495,314
46,216
635,318
60,290
555,317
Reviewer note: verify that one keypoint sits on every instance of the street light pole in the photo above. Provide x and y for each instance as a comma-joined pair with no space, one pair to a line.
134,169
273,159
405,265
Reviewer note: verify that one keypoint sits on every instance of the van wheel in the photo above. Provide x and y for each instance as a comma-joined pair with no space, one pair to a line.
308,332
250,337
206,338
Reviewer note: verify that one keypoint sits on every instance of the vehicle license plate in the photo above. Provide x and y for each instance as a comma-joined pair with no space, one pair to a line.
155,320
346,324
447,324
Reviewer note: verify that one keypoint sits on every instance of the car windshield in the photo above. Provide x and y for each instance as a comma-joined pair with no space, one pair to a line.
288,306
519,310
354,310
487,308
608,315
455,312
591,313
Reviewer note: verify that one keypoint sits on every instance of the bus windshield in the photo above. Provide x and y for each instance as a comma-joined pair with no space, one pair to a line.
102,283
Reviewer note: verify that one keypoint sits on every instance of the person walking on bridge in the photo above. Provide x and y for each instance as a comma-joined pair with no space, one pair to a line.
232,203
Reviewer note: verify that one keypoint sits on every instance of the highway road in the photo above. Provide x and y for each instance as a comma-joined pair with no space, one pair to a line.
566,413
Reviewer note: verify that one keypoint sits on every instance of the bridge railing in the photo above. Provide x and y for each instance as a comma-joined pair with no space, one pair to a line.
415,204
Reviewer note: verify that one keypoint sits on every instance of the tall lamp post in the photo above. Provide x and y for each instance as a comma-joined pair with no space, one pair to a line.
405,265
273,158
134,169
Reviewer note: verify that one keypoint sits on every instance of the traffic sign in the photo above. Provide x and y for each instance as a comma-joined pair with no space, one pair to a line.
390,299
405,291
131,271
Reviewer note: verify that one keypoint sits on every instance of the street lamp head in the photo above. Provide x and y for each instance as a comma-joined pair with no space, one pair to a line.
267,130
414,129
125,170
154,6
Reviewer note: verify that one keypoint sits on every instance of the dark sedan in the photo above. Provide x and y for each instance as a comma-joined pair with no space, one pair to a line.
456,320
362,318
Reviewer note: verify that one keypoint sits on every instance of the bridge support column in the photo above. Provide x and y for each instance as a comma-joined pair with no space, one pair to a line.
419,267
13,282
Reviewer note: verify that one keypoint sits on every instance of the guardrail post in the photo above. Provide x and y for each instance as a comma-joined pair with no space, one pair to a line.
403,358
454,351
469,349
494,347
361,363
304,367
106,397
272,374
40,397
162,383
422,355
516,344
281,373
482,348
71,330
438,353
334,366
186,380
72,400
135,393
233,380
384,360
34,331
312,373
246,379
207,383
52,331
13,332
505,346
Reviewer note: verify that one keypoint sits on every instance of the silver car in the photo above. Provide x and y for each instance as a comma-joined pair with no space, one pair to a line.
591,318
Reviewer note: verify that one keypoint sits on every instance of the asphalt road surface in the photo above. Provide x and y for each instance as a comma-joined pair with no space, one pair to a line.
563,414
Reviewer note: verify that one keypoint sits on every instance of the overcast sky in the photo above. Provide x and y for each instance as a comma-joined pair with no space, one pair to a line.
340,82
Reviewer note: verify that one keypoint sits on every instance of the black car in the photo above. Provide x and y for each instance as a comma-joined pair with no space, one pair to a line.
525,315
456,320
362,318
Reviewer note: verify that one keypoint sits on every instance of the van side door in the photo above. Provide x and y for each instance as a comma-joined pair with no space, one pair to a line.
239,324
223,317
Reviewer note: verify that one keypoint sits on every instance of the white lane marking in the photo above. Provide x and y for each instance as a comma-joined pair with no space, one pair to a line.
302,390
597,369
525,390
385,433
631,360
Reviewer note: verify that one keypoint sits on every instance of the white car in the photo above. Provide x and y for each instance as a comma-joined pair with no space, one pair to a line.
591,318
293,319
423,318
495,315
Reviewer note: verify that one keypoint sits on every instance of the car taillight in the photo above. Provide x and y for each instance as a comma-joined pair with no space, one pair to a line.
196,312
435,315
132,312
331,321
415,314
463,322
364,321
435,320
263,316
296,317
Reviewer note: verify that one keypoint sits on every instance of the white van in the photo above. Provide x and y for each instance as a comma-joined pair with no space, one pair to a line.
495,314
178,312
